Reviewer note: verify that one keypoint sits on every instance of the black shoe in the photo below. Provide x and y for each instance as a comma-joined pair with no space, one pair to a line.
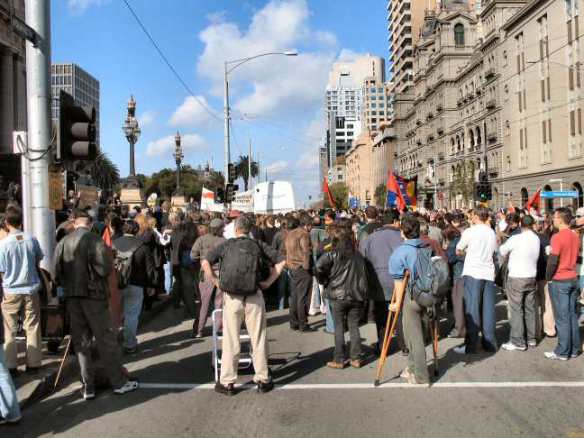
130,351
264,387
293,328
14,373
225,390
32,370
307,329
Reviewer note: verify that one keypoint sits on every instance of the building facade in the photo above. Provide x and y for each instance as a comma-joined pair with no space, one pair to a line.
78,83
12,82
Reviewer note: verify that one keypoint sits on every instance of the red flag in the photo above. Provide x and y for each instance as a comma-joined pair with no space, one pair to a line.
393,187
535,200
327,191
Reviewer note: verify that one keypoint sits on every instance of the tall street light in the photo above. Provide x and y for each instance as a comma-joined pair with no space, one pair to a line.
228,68
178,157
132,132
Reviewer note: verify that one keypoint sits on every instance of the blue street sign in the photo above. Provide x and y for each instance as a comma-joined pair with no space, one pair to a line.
563,194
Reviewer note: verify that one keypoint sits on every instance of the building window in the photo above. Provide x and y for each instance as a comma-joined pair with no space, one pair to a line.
459,35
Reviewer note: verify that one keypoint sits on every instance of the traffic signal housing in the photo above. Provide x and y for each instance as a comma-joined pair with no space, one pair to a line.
230,191
220,196
231,173
483,188
76,130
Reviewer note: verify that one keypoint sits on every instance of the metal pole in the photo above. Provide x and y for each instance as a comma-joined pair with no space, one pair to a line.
132,163
226,122
249,166
38,100
561,190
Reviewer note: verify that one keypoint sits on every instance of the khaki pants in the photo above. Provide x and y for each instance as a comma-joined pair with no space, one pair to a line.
30,304
236,309
545,321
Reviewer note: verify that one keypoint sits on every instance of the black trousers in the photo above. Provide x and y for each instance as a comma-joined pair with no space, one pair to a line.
351,310
299,297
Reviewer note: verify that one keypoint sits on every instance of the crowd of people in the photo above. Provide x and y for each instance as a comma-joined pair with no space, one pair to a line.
113,262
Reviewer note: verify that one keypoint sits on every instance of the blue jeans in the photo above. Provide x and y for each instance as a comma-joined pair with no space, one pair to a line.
283,289
564,295
9,408
479,310
330,322
132,298
168,278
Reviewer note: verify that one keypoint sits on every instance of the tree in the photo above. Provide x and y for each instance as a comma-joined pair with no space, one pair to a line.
380,195
104,173
242,169
340,193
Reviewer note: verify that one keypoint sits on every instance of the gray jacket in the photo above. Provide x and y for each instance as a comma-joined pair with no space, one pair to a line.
377,248
83,264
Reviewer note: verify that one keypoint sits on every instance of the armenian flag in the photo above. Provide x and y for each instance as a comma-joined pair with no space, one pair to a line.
401,192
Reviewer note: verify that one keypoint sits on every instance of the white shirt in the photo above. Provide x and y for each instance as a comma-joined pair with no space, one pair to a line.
523,250
229,231
479,243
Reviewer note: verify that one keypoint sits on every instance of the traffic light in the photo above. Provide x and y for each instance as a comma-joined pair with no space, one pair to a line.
483,189
230,190
231,173
76,130
220,196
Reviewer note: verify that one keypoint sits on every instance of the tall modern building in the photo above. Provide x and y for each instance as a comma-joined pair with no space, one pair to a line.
12,84
78,83
344,107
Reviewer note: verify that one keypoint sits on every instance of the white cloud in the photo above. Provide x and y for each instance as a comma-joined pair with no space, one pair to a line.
79,6
292,84
147,118
165,145
276,167
191,113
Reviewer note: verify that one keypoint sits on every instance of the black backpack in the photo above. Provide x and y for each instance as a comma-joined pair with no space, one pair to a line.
242,267
431,282
123,266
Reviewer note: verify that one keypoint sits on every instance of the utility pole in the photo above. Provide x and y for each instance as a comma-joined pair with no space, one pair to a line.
226,140
38,58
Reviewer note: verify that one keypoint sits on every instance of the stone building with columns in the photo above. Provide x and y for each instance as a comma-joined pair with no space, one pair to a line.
12,85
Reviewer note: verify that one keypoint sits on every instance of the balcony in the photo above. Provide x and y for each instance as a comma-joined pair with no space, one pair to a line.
489,73
439,108
440,130
493,171
491,103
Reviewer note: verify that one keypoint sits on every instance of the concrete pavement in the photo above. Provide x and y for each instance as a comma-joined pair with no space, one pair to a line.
507,394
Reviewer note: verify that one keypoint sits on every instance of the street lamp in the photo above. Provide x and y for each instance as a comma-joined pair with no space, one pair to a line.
132,132
178,157
229,66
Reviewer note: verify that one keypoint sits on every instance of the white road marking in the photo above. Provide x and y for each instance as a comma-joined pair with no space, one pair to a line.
302,386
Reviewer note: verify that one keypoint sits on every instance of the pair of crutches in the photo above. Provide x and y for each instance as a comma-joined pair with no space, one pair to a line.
395,308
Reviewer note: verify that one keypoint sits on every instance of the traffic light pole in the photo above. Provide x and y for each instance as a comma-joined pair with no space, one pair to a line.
38,58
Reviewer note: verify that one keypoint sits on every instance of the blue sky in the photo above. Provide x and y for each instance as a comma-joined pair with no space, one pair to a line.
276,101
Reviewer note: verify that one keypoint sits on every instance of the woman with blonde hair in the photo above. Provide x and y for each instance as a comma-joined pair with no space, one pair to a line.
148,238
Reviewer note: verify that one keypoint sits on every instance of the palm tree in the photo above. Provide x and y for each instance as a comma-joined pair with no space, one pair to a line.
104,173
242,169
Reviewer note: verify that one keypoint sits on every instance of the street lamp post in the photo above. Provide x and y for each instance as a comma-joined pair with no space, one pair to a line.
178,157
228,67
561,181
132,132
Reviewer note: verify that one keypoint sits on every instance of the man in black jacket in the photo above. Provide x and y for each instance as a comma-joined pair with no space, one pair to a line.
142,275
82,266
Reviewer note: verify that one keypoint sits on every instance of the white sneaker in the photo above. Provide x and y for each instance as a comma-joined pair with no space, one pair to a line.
553,356
532,344
461,349
510,346
129,386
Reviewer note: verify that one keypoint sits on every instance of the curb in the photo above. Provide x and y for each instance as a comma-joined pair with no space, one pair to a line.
44,388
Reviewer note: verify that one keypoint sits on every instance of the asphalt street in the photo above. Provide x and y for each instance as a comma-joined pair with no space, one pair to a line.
506,394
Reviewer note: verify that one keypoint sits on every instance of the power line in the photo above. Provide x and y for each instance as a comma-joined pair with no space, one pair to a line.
169,64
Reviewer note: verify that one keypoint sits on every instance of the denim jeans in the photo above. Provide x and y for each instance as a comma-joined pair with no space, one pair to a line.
283,289
168,278
564,295
352,311
132,299
479,307
329,320
9,408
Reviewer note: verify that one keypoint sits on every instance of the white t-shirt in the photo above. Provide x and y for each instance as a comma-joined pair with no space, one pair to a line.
479,243
523,250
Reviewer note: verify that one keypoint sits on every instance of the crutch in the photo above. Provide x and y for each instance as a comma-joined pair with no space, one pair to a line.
434,336
397,301
58,378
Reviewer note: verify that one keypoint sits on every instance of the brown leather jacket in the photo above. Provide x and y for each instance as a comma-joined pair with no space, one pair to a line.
298,249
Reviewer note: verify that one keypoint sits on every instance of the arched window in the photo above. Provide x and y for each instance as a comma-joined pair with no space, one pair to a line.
524,197
459,35
579,201
479,140
549,202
